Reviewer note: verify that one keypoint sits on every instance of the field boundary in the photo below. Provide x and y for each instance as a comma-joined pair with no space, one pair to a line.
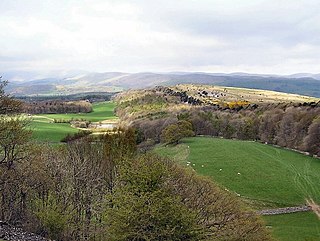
286,210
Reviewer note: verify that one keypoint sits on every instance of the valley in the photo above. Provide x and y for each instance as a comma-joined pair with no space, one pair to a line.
159,120
240,140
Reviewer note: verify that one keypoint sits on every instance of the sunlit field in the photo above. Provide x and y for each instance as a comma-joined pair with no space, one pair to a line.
263,176
44,128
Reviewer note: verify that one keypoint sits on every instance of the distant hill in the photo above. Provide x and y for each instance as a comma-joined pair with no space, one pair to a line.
303,83
304,75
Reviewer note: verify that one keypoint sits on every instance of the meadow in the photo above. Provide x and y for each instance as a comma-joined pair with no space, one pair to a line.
263,176
44,129
101,111
294,227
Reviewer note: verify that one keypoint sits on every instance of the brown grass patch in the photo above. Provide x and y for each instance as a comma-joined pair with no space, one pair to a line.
315,207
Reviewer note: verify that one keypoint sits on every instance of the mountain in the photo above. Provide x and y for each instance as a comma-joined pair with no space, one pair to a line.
304,84
304,75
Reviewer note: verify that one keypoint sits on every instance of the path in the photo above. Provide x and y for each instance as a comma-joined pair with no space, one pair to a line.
42,117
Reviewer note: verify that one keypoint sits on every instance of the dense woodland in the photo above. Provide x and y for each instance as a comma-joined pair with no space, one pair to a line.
102,188
56,107
291,125
89,96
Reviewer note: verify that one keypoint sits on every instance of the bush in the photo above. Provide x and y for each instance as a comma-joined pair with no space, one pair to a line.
76,136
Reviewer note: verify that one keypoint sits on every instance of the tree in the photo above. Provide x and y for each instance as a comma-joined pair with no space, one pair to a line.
312,140
8,105
144,209
14,138
173,133
83,173
13,129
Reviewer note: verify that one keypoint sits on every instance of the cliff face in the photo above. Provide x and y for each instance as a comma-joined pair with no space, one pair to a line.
11,233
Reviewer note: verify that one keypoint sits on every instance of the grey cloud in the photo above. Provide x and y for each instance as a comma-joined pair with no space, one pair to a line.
207,35
285,22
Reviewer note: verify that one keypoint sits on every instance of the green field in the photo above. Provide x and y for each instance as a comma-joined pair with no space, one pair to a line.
45,130
268,176
294,227
101,111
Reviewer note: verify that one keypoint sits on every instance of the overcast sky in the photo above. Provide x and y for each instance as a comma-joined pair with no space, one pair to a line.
273,36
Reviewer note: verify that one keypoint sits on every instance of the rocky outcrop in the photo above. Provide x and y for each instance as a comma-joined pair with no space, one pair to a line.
182,95
11,233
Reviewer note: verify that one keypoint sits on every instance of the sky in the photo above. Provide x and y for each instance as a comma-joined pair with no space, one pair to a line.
254,36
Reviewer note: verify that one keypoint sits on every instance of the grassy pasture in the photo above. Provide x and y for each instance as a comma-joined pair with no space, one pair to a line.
294,227
101,111
44,129
269,177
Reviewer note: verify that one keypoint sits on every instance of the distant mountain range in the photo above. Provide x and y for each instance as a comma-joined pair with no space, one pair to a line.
301,83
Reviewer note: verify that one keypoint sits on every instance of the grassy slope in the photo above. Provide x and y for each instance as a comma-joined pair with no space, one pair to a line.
269,177
45,130
294,227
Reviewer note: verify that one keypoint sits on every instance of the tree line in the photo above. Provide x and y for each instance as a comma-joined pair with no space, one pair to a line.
56,107
291,125
103,190
90,96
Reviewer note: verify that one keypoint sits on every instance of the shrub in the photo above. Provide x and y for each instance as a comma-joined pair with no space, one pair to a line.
76,136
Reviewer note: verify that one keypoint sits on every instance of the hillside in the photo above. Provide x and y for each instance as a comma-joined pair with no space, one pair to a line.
304,84
262,175
161,100
286,120
218,94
